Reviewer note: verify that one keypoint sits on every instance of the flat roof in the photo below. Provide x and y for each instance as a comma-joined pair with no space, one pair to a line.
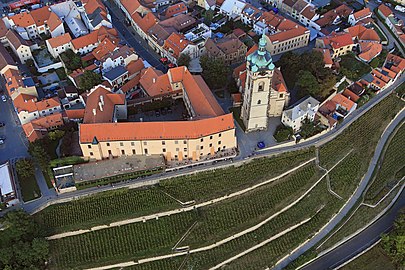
6,185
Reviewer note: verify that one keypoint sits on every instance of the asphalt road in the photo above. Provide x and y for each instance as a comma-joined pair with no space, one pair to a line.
132,38
361,241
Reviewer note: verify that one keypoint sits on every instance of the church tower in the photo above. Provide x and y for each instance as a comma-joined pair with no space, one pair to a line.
258,86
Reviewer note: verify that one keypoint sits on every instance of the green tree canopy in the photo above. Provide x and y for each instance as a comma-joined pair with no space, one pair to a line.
22,245
215,72
89,79
24,167
184,60
394,242
307,82
71,60
38,152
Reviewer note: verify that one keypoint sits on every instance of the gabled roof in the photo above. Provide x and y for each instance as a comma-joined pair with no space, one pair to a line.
337,40
309,12
16,40
343,101
145,22
288,34
362,33
135,66
60,40
53,21
48,103
41,15
3,28
155,130
350,95
180,22
24,102
369,50
105,47
365,12
331,15
23,19
131,84
104,113
131,6
386,11
5,58
175,9
176,43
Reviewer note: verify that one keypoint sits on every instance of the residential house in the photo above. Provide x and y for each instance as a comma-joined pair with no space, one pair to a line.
89,42
20,46
6,61
95,15
384,11
199,33
308,17
338,43
228,49
173,10
334,108
207,4
360,15
143,22
334,16
232,8
59,44
176,45
38,128
368,41
16,84
3,32
69,12
395,64
287,39
305,109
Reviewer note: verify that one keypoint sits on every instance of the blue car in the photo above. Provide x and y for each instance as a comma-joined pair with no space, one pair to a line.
261,145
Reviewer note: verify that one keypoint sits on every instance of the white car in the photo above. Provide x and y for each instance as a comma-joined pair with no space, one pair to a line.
3,97
400,8
1,142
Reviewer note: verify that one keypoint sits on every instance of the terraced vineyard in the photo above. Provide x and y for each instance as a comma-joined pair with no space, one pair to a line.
120,243
392,167
234,220
343,177
103,208
220,221
211,184
121,204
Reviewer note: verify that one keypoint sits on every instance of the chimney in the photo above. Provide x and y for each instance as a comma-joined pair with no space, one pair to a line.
94,112
101,106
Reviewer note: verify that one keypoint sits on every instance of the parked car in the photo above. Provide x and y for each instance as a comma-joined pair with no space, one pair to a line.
2,124
400,8
1,142
171,65
157,113
164,60
2,137
3,97
261,145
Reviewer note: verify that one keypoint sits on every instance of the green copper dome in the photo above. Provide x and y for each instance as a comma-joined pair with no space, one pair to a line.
261,59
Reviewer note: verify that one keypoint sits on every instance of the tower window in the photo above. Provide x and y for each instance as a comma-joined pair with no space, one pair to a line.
261,87
259,102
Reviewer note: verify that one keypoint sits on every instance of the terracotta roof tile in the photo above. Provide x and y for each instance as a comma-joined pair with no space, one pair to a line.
289,34
41,15
33,132
155,130
175,9
105,113
327,59
343,101
3,29
24,19
47,103
135,66
25,102
350,95
75,113
362,13
386,11
131,84
130,5
105,47
175,44
60,40
53,22
145,22
369,50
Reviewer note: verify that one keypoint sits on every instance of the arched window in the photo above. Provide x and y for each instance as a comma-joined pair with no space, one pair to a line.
259,102
261,86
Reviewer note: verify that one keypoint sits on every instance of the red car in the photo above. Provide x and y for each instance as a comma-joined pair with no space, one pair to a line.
171,65
164,60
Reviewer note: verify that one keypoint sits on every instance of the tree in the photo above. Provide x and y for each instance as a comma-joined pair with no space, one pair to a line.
56,135
308,83
71,60
215,72
22,245
184,60
24,167
89,79
394,242
37,151
208,16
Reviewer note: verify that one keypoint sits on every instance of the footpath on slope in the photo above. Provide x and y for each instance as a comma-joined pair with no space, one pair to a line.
178,210
232,237
352,201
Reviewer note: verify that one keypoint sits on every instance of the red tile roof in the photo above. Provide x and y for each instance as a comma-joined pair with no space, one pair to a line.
338,40
350,95
145,22
175,44
343,101
75,113
365,12
103,113
155,130
25,102
24,19
327,58
385,11
135,67
105,47
369,50
288,34
175,9
60,40
131,84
